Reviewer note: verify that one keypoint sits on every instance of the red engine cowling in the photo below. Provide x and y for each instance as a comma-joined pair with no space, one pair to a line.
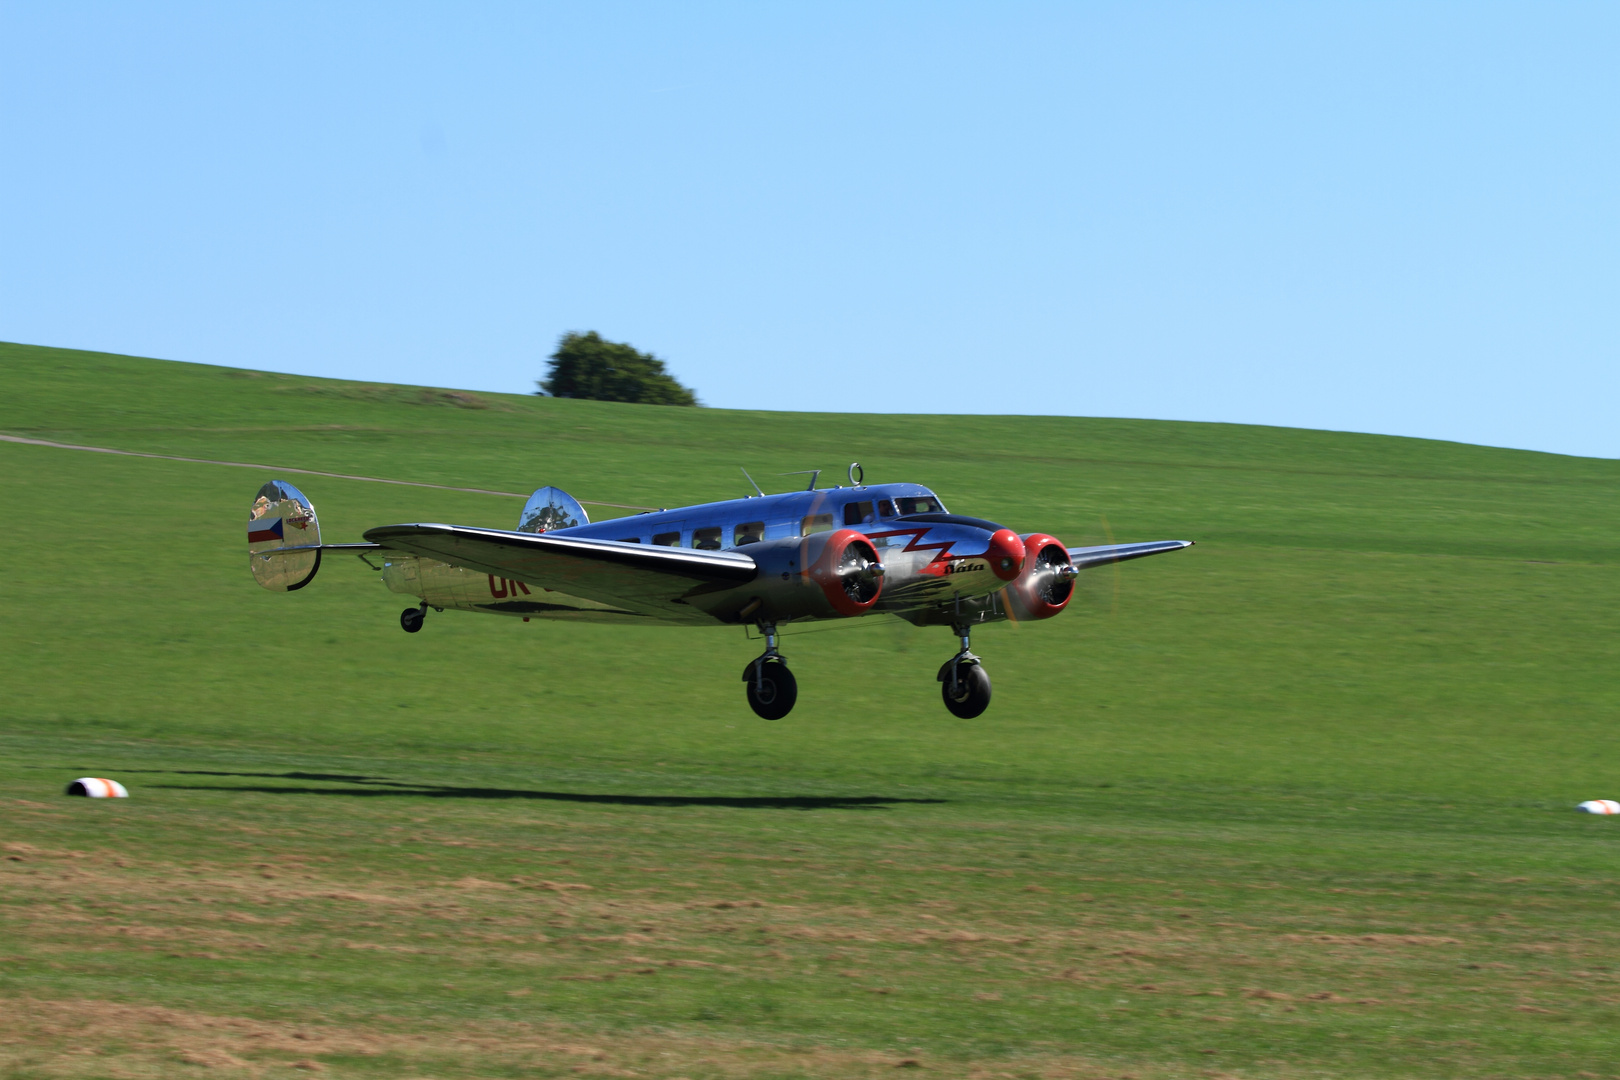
1046,584
821,576
848,571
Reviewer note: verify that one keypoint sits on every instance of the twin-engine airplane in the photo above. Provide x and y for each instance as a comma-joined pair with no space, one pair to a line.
761,561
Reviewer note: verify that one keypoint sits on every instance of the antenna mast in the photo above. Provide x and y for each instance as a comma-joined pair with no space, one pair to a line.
813,474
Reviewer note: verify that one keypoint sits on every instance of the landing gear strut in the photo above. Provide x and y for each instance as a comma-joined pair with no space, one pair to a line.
410,620
772,690
965,685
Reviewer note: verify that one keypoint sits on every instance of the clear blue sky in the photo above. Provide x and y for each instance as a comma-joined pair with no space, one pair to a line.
1398,218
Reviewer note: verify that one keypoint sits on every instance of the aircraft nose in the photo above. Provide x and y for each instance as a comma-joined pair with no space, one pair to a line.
1006,554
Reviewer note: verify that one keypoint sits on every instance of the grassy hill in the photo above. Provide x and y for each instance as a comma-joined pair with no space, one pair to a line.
1297,801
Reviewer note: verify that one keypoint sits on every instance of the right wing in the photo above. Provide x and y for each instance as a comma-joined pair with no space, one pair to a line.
1084,557
637,577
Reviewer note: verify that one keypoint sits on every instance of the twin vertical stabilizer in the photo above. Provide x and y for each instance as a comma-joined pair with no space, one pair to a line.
284,538
549,509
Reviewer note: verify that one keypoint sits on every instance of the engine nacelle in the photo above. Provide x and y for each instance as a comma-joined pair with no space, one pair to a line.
825,575
1046,584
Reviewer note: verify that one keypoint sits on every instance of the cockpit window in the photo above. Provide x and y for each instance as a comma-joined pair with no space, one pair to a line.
858,513
885,508
749,532
706,539
925,504
816,523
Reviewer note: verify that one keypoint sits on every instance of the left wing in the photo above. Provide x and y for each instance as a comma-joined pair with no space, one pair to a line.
637,577
1083,557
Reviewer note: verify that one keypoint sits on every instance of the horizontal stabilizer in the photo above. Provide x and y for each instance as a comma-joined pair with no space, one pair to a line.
1083,557
296,548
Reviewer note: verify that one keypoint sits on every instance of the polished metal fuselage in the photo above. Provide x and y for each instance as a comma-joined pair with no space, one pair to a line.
935,566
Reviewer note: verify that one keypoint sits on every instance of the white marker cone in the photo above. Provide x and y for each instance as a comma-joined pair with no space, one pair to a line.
1600,806
95,787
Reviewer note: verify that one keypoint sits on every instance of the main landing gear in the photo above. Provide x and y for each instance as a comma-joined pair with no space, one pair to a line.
772,690
965,685
410,620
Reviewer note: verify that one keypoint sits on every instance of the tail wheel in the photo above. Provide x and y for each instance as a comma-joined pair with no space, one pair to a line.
972,694
410,620
771,691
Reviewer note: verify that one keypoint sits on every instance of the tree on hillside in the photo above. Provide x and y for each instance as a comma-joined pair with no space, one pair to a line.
585,366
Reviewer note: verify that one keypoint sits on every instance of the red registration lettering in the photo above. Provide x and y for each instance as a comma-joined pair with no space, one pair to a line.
507,587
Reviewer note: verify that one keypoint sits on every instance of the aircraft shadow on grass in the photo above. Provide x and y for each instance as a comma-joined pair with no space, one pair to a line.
381,786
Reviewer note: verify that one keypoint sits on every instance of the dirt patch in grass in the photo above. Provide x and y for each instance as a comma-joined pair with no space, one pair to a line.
96,1038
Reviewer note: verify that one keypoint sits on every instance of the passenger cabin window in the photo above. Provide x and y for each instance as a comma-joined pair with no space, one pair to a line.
667,539
885,508
925,505
751,532
630,540
706,539
816,523
858,513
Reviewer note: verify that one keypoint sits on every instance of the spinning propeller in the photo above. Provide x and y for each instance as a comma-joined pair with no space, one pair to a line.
1096,590
860,573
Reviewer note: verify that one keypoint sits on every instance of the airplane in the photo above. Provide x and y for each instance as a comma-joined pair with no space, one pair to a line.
762,561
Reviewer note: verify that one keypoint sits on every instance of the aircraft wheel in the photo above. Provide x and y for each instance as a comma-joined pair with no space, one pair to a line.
410,620
773,693
972,695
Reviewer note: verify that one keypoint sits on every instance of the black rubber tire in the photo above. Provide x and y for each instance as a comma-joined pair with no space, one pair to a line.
972,691
780,690
410,620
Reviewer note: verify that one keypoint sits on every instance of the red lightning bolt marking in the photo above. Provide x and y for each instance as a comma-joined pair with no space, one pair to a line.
938,564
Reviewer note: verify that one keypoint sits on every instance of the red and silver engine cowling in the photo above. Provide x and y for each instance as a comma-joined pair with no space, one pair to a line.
824,575
1047,583
848,570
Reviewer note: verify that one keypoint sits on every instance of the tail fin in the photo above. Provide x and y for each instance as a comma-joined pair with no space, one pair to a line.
284,538
551,508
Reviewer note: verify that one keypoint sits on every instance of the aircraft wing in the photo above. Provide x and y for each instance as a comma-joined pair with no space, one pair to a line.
637,577
1083,557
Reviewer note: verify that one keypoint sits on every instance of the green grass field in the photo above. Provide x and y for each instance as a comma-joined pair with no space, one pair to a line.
1297,802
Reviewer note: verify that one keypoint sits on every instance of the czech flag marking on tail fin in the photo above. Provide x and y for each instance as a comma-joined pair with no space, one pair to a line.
260,532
